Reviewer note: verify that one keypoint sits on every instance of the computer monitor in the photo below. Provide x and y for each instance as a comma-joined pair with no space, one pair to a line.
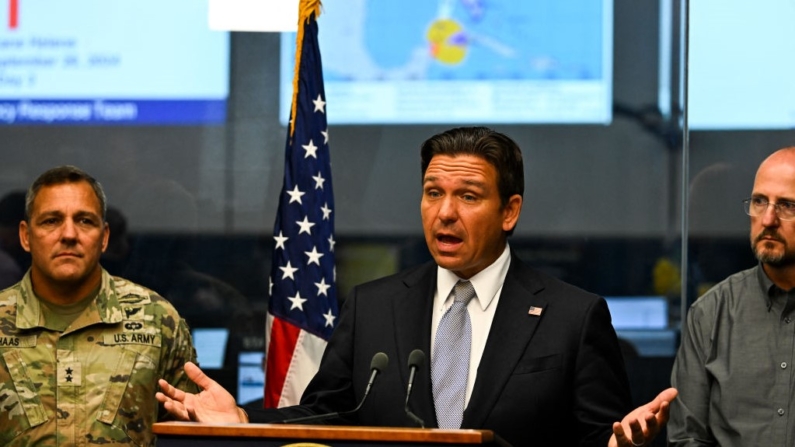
643,322
210,344
638,312
250,376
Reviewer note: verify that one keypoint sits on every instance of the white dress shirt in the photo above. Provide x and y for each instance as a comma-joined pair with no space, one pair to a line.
488,286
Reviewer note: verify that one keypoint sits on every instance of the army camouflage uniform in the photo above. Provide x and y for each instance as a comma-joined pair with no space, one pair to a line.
95,383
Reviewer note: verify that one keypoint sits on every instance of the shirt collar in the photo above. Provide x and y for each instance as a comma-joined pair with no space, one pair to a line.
28,307
29,312
773,292
487,282
765,282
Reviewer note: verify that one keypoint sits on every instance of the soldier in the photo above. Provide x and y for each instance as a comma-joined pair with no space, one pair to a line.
81,350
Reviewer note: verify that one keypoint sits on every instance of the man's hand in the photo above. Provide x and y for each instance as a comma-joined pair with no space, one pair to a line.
212,404
642,424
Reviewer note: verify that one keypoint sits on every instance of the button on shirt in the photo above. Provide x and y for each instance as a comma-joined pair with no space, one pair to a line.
733,366
488,285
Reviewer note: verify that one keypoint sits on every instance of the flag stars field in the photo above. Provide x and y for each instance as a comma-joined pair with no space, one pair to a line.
298,302
319,180
322,287
288,271
306,226
295,195
329,318
319,104
311,150
314,256
326,212
280,240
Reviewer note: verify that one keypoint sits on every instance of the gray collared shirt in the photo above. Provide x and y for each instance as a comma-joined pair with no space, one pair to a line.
734,368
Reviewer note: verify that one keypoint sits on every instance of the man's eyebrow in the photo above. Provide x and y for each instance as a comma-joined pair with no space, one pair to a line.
477,183
432,178
780,199
86,213
51,213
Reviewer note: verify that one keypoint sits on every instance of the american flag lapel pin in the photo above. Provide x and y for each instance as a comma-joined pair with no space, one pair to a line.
535,311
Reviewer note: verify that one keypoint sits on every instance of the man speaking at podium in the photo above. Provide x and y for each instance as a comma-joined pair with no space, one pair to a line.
511,349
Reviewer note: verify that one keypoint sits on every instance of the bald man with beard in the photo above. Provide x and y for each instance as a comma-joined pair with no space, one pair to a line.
734,366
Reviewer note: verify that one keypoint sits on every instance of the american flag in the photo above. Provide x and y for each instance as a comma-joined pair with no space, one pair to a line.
303,309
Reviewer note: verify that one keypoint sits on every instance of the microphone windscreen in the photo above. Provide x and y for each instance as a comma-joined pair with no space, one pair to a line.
416,358
379,362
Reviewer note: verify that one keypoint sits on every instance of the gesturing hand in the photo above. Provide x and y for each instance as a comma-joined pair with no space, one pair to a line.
642,424
212,404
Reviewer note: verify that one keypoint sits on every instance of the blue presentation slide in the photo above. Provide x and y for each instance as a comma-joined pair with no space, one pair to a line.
111,62
450,61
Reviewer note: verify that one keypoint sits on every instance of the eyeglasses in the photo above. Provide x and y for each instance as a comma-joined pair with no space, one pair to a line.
757,206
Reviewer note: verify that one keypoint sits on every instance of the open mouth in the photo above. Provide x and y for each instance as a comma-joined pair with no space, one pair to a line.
448,241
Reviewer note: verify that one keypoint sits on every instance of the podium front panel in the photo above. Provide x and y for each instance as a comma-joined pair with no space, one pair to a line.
189,434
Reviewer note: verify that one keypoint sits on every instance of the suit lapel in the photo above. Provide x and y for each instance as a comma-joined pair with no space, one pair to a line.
511,331
413,312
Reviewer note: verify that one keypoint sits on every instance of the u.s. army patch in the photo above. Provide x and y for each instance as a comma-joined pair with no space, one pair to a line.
131,337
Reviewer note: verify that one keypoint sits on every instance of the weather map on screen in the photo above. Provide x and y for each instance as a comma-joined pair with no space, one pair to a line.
447,61
111,62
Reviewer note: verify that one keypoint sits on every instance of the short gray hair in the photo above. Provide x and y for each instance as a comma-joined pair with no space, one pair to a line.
59,176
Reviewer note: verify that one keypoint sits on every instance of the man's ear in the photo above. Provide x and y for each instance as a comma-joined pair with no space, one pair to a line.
105,236
511,211
24,235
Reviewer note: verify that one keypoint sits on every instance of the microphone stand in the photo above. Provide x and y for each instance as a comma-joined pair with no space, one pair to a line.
377,364
415,361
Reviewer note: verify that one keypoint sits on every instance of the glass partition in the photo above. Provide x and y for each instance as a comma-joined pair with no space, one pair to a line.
738,109
741,110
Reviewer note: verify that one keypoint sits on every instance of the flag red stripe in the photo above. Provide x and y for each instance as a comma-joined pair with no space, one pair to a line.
13,14
283,338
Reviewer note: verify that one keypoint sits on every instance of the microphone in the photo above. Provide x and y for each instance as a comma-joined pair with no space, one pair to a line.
377,365
416,358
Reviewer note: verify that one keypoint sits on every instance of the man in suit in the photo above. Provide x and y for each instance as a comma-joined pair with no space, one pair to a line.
542,364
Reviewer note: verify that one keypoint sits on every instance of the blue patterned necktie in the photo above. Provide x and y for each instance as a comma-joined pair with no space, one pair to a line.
450,363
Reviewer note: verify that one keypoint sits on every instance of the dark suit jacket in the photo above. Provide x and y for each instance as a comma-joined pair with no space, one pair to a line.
554,379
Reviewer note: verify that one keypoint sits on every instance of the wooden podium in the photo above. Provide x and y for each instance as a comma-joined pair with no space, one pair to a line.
192,434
